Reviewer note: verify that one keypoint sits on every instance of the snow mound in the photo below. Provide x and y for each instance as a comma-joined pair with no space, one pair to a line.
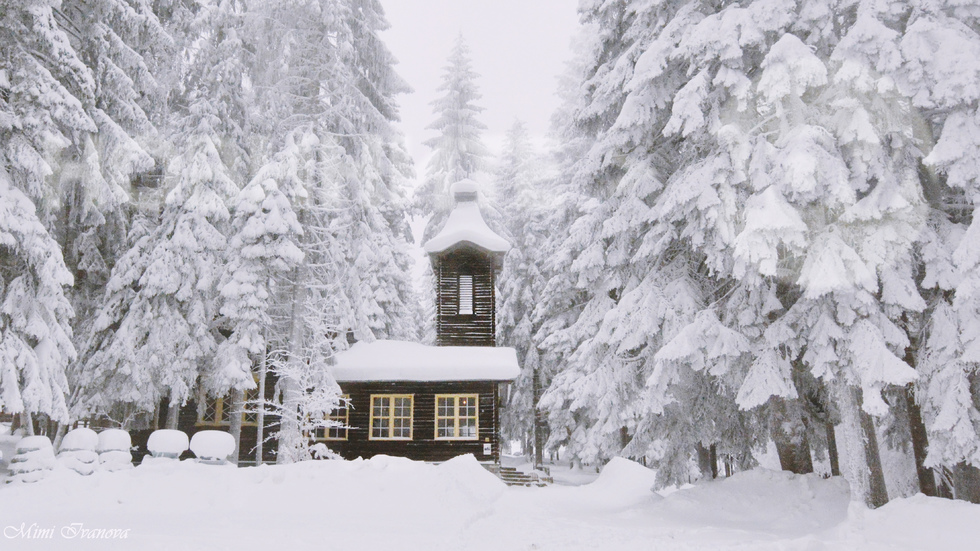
80,439
622,474
760,499
167,443
32,443
33,461
473,479
78,451
83,462
212,445
622,483
114,454
917,522
114,439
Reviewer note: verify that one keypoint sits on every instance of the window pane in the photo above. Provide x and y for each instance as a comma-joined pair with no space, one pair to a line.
210,413
226,409
338,415
250,405
380,428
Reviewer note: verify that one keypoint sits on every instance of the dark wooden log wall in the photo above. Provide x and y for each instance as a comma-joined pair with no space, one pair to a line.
187,422
423,446
453,329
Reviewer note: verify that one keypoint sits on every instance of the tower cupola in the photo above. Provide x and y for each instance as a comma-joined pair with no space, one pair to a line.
466,255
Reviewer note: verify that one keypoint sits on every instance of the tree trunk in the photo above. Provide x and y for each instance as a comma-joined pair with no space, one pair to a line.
879,493
713,458
155,424
260,414
966,482
920,443
861,464
27,422
789,434
59,435
832,449
289,426
538,420
704,460
235,422
944,486
173,414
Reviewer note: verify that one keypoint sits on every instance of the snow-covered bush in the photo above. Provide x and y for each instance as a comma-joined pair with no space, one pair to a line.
212,446
78,451
167,443
33,460
114,450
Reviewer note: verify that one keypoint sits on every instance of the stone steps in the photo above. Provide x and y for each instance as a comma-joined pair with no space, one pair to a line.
513,477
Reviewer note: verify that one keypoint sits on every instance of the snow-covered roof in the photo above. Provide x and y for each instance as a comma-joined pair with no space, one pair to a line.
466,224
410,361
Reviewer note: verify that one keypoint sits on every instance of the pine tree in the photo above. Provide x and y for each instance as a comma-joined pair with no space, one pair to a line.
802,124
155,335
603,355
35,335
937,45
458,150
116,41
44,88
354,278
523,211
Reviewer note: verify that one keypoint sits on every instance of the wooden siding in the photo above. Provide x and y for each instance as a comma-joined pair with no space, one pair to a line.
453,329
423,446
187,422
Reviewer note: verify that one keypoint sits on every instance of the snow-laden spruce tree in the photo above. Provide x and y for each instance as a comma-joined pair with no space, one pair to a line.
457,150
44,88
35,335
593,401
262,248
754,150
156,333
116,41
523,209
328,82
938,46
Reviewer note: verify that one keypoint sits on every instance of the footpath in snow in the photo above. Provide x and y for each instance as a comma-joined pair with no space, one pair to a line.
395,503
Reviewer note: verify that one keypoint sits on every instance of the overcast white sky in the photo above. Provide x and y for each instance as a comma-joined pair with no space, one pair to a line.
519,47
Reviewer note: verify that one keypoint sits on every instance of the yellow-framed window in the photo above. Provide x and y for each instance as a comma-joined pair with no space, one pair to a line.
457,416
251,405
340,414
217,411
391,416
210,412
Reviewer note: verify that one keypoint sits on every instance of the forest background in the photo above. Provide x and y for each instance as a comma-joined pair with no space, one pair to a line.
757,223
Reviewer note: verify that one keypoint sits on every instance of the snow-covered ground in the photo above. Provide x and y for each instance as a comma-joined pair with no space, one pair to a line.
394,503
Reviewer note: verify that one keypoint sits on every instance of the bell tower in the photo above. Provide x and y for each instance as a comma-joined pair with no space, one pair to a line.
466,256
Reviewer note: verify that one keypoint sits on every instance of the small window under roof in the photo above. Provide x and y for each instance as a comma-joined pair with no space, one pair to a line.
466,295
